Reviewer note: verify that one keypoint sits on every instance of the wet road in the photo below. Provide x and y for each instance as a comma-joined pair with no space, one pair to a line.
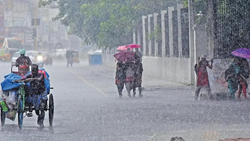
87,108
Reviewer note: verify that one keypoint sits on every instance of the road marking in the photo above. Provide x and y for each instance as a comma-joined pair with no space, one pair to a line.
84,80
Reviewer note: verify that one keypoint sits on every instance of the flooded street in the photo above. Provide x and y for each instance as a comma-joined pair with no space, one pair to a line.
87,107
168,49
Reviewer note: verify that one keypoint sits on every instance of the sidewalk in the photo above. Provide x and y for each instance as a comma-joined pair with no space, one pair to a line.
149,81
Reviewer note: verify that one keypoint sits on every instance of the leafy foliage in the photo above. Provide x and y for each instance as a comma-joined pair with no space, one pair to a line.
108,23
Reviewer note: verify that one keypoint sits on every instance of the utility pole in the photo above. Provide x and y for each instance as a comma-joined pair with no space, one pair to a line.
144,35
35,28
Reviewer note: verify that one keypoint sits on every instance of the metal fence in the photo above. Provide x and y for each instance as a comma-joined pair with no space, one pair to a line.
153,35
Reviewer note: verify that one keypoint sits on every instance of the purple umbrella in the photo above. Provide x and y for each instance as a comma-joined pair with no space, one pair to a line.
242,53
125,56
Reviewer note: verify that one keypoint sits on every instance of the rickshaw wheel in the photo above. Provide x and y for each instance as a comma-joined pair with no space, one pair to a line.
20,113
51,109
2,117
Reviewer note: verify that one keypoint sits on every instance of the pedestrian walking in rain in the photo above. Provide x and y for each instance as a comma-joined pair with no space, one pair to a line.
202,76
120,76
232,77
69,56
244,75
138,77
138,54
130,76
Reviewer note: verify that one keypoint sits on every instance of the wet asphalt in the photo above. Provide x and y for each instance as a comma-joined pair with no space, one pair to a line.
87,108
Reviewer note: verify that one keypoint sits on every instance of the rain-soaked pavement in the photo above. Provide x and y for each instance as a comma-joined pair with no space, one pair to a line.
87,108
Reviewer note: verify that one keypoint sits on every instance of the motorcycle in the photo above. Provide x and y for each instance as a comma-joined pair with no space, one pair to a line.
40,61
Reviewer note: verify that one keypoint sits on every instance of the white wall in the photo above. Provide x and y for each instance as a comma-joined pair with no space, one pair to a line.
171,69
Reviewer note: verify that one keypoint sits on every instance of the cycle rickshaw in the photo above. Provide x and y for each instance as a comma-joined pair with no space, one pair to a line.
15,98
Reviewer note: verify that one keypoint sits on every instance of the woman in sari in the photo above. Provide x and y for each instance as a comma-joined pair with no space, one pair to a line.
202,76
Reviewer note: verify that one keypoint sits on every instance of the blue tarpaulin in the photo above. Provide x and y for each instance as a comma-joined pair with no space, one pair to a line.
8,85
46,81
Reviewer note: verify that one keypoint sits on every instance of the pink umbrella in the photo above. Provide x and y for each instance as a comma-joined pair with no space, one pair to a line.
133,46
125,56
122,48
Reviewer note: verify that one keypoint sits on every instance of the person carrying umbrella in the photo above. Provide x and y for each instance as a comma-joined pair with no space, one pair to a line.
244,75
138,76
232,77
202,76
120,77
238,72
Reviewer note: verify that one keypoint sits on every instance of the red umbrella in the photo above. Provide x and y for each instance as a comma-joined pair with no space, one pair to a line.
125,56
133,46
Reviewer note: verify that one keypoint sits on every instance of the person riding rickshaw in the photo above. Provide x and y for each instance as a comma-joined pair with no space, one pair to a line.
29,93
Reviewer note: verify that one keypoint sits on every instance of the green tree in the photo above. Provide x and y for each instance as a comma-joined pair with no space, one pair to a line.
109,23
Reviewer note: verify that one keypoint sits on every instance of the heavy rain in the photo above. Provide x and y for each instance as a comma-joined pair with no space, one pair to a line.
124,70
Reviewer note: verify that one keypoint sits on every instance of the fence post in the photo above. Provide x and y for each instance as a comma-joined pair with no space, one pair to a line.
171,38
179,7
155,36
139,39
144,35
149,33
163,12
134,37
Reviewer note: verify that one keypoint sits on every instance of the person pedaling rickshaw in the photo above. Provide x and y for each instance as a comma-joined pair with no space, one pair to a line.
38,98
23,62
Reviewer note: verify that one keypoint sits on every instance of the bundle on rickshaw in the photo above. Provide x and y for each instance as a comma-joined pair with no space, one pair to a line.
8,97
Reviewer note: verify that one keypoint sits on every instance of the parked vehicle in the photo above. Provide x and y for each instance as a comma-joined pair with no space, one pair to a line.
14,57
9,47
76,56
60,52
